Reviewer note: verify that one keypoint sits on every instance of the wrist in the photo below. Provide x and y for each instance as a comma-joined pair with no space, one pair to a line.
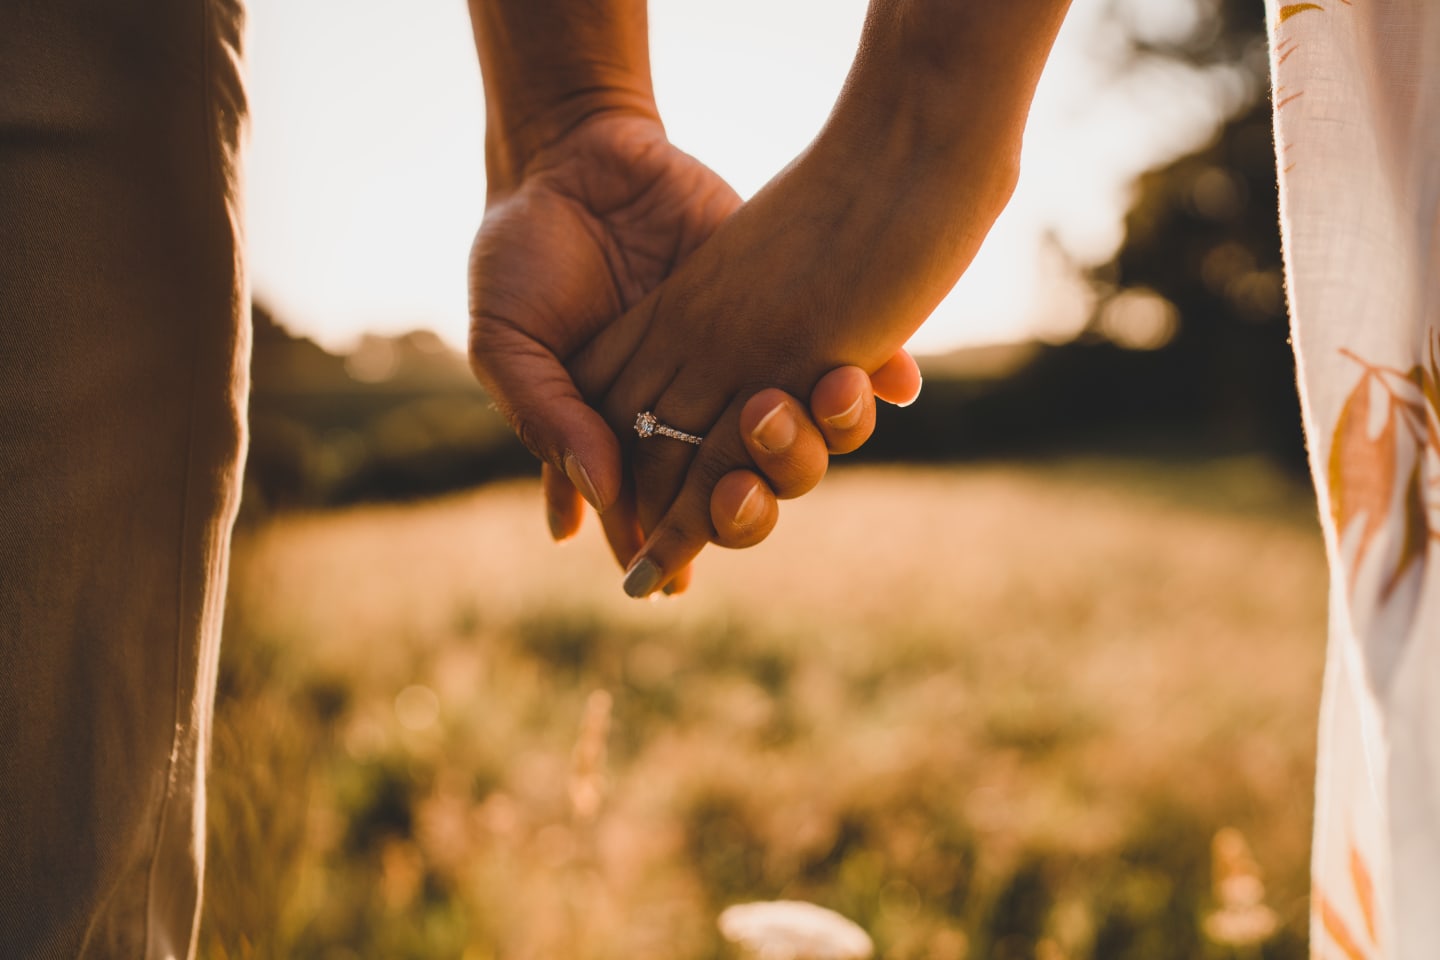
551,65
912,186
516,141
924,141
944,85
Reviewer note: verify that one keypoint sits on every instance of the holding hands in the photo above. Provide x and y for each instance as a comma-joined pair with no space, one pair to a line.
615,275
598,221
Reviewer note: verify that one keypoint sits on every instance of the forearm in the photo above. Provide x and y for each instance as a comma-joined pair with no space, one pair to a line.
550,64
928,71
923,144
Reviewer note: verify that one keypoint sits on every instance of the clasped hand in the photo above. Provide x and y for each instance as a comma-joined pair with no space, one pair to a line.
595,295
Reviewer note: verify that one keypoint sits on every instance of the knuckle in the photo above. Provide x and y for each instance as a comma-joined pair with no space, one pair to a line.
707,471
483,327
482,345
798,483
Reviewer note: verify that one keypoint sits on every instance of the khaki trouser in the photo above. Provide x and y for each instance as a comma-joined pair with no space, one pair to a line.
123,353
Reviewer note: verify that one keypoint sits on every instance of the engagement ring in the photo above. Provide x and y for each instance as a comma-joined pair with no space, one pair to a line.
647,426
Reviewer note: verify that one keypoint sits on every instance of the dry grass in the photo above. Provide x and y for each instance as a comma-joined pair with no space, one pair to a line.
990,712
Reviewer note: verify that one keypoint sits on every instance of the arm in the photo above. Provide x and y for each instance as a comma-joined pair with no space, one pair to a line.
549,65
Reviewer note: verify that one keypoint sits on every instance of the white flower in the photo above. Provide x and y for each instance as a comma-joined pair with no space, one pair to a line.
793,930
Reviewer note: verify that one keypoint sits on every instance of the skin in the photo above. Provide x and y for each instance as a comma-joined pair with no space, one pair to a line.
838,260
589,209
835,263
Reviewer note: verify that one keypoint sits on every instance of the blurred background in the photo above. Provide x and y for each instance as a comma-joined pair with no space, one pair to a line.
1033,675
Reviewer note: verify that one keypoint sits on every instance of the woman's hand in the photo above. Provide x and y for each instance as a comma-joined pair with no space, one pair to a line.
837,261
817,272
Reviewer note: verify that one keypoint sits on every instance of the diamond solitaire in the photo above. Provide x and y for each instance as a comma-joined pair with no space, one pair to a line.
646,425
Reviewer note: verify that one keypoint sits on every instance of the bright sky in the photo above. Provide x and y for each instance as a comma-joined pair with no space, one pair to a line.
366,178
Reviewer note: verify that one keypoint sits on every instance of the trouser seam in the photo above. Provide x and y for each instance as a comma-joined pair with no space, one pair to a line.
183,624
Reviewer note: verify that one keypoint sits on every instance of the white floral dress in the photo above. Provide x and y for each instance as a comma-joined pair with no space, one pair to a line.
1357,126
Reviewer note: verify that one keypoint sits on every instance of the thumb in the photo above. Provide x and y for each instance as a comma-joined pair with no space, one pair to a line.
537,397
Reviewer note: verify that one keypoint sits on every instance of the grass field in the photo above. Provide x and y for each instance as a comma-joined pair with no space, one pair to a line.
988,712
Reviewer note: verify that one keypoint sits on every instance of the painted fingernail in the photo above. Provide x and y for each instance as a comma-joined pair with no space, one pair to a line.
557,529
776,430
751,508
849,417
642,578
580,477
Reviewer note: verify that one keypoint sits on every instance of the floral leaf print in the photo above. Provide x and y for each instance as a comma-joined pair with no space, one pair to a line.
1417,531
1335,926
1430,387
1285,46
1364,890
1333,923
1290,9
1362,468
1372,448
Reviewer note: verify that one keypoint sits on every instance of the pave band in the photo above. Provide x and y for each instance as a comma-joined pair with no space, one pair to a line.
646,425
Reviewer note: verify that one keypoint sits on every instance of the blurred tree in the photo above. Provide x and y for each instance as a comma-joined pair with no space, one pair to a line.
1199,278
1200,33
1187,352
397,417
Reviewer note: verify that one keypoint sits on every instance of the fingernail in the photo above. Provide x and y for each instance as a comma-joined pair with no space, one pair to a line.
642,578
557,531
578,475
751,508
849,417
914,398
670,589
776,430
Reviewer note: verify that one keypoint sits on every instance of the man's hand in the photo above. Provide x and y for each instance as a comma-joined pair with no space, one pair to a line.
598,220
